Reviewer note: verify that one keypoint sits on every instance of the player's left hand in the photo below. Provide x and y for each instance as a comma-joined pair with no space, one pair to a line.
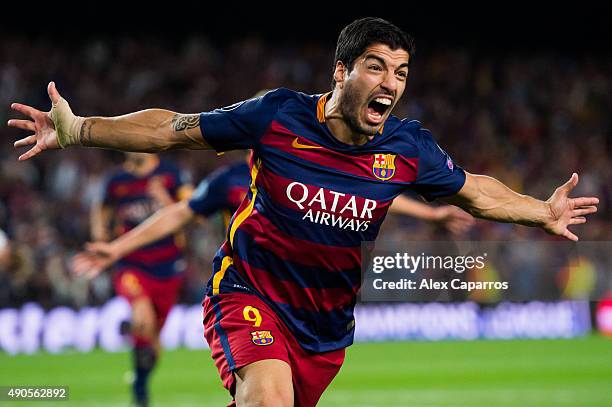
565,211
54,129
455,220
97,257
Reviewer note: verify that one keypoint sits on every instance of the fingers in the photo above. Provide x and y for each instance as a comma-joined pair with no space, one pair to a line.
584,211
83,264
569,235
24,142
25,109
584,201
92,273
570,184
22,124
464,223
458,228
30,153
577,220
80,264
467,219
462,215
53,93
100,248
459,221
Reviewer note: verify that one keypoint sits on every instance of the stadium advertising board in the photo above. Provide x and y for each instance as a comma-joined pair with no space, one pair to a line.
31,329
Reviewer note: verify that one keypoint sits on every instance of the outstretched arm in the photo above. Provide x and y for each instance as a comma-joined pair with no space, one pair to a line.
148,130
100,255
452,218
487,198
100,219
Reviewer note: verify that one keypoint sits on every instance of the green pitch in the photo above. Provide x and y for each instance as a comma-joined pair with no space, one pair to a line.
574,372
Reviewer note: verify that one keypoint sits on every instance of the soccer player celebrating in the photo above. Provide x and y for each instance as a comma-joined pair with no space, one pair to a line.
149,278
222,191
278,313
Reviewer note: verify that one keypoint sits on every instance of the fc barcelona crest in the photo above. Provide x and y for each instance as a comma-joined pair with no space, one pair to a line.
383,167
262,338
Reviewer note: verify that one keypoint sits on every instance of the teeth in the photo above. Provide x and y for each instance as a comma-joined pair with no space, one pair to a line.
383,101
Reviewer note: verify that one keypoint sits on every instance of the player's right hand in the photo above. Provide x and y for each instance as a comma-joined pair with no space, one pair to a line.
455,220
97,257
54,129
566,211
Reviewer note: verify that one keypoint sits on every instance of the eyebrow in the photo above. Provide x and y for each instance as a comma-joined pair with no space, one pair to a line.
382,61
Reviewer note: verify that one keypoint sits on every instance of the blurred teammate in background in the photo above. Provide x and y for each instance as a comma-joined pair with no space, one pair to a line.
279,308
149,278
222,191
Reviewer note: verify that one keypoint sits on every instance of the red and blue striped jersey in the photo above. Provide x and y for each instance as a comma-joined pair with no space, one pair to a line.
295,239
127,195
223,191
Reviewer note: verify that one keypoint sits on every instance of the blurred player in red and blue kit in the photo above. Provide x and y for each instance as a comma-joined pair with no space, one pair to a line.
220,192
278,313
149,278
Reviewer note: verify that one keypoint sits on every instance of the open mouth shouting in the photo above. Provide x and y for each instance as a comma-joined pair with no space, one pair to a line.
377,108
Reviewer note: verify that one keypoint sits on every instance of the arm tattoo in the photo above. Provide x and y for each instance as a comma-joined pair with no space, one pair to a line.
181,122
85,133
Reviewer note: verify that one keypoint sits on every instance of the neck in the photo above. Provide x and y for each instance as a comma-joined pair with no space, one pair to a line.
147,166
339,126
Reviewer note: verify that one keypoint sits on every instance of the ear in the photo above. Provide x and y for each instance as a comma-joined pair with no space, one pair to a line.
339,73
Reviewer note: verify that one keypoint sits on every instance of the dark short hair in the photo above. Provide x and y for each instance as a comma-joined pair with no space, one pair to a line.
360,34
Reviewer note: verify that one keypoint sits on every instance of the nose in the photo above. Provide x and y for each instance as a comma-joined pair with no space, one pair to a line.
389,83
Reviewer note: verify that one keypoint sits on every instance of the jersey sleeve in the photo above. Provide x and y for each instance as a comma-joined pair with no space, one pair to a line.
241,126
438,175
210,195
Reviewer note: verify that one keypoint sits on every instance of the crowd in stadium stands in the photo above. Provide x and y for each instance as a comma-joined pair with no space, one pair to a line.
529,119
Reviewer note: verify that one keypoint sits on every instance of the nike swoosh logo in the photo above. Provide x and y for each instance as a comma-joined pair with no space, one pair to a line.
297,144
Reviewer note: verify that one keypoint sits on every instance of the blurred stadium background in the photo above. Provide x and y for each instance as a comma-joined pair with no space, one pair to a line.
527,101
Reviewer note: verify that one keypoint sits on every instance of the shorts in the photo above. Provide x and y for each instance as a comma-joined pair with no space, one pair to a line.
132,284
241,329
